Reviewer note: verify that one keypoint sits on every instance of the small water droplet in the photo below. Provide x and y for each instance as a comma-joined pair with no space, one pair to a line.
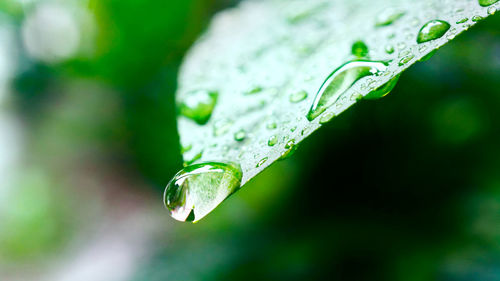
186,148
290,148
356,97
476,18
272,140
401,45
271,125
491,11
326,117
261,162
389,49
253,90
388,16
340,80
197,189
222,126
462,20
298,96
432,30
359,49
240,135
486,3
194,159
198,105
405,60
292,129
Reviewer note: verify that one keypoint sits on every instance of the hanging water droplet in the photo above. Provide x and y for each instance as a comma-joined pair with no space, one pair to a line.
197,189
356,97
383,90
222,126
340,80
272,140
389,49
359,49
261,162
198,105
240,135
476,18
462,20
428,56
290,148
298,96
491,11
388,16
326,117
486,3
432,30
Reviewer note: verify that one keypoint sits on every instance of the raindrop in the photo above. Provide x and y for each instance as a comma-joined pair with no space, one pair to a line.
240,135
198,105
326,117
272,140
388,16
261,162
298,96
432,30
359,49
197,189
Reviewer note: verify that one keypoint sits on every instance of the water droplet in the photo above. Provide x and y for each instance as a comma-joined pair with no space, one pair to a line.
462,20
491,11
389,49
186,148
486,3
432,30
261,162
359,49
271,125
240,135
326,117
272,140
253,90
476,18
383,90
405,60
222,126
356,97
388,16
298,96
428,56
290,148
340,80
194,159
197,189
401,45
198,105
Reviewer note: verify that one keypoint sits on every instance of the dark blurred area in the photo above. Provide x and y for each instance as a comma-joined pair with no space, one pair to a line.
406,188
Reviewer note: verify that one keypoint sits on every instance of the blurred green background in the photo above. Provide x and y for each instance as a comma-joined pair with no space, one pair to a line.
407,188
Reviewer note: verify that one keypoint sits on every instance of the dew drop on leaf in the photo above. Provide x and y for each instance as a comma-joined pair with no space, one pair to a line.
327,117
298,96
359,49
388,16
383,90
197,189
432,30
198,105
340,80
272,140
240,135
486,3
261,162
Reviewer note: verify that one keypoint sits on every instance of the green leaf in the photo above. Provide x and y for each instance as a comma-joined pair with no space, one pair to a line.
271,62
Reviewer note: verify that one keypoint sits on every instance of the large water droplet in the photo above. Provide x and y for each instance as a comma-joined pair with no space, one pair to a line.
432,30
198,105
486,3
197,189
340,80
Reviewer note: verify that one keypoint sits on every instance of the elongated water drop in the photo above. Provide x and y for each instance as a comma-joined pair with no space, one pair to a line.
432,30
486,3
197,189
198,105
298,96
340,80
272,140
388,16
